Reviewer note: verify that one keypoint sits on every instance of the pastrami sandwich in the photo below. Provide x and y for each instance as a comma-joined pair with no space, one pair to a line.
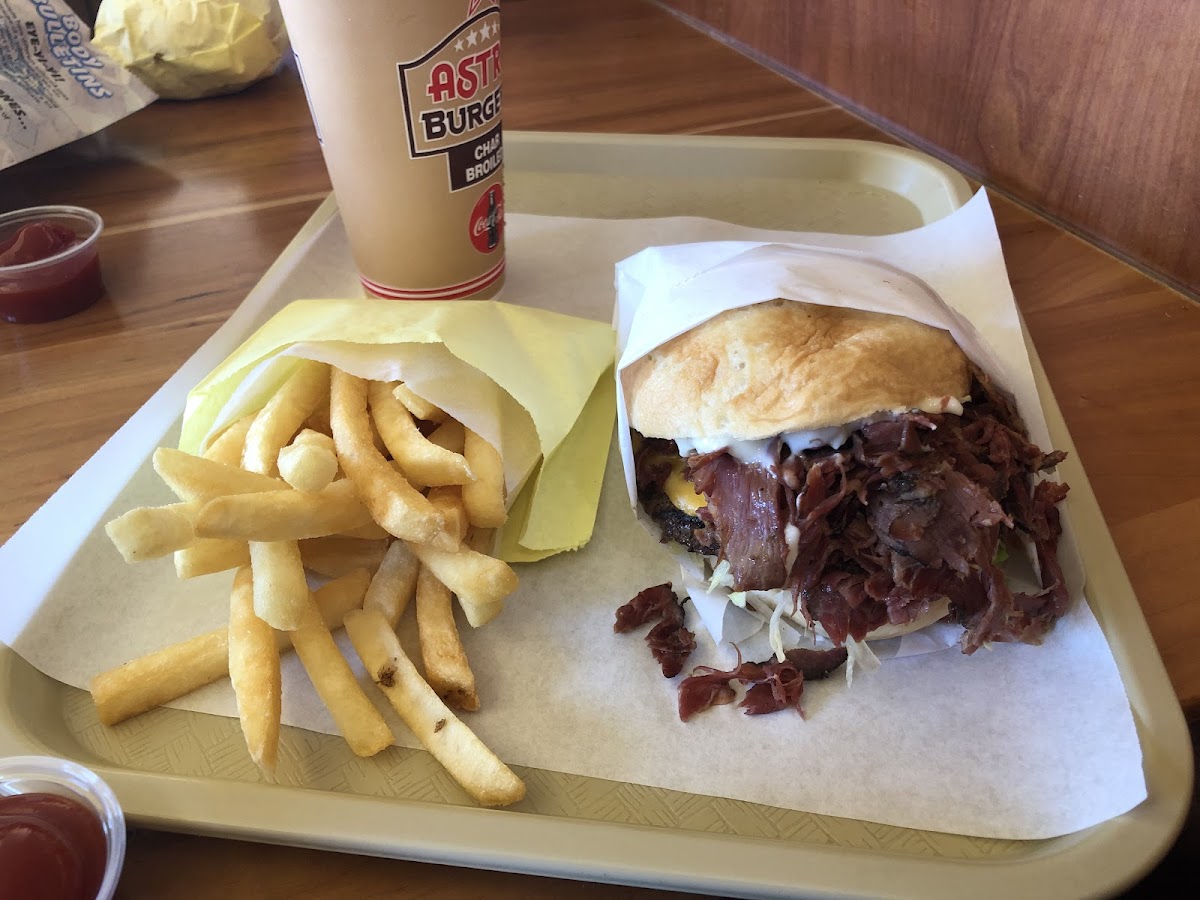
849,472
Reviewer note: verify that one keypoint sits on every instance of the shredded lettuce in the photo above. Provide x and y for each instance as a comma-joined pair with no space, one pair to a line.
738,598
774,635
720,577
860,655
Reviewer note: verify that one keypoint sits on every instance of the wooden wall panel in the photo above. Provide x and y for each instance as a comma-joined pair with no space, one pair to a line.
1087,110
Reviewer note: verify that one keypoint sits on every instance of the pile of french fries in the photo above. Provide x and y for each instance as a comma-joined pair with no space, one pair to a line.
360,482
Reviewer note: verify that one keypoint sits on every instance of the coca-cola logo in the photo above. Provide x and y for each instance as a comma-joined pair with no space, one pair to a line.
487,219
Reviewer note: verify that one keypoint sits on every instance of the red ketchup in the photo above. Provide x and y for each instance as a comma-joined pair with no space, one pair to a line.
51,848
64,284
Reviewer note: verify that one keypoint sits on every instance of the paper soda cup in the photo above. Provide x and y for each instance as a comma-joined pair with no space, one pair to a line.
405,96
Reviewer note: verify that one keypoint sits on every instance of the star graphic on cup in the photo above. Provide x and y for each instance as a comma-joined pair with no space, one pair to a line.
486,31
471,36
458,45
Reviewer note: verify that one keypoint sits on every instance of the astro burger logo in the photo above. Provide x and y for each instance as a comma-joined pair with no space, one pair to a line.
451,100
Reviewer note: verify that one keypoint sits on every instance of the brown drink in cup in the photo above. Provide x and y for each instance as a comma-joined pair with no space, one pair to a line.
405,95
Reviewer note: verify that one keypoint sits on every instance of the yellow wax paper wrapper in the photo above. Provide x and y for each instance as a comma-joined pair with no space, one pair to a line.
535,384
185,49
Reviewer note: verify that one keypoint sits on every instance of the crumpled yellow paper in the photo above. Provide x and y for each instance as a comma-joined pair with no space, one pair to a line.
534,383
184,49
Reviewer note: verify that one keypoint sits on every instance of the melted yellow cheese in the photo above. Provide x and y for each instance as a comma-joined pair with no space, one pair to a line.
680,491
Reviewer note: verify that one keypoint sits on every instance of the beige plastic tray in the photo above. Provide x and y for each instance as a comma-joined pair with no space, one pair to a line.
190,772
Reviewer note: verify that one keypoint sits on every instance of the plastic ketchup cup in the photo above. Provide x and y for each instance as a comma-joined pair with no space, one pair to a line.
49,264
62,831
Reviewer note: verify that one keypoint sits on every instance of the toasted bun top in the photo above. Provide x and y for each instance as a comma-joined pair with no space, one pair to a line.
784,365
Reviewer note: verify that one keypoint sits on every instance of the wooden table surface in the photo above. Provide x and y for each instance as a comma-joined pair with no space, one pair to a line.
199,197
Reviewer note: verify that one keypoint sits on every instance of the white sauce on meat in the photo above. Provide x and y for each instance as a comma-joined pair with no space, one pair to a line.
835,436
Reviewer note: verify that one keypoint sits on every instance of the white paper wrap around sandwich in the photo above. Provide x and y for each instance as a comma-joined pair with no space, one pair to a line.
663,292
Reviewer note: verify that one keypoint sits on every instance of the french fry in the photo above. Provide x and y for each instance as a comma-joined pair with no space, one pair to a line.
197,478
449,436
280,588
160,677
336,555
376,437
482,540
359,722
283,415
449,499
336,598
369,532
283,515
480,582
393,583
445,660
307,483
393,502
417,485
419,459
480,772
208,555
418,406
308,463
480,614
227,447
484,497
168,674
255,674
149,532
318,421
